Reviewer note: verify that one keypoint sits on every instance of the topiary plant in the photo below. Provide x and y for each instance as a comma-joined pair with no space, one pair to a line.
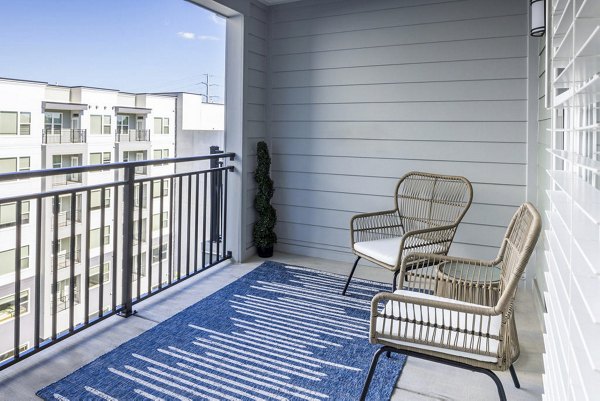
264,234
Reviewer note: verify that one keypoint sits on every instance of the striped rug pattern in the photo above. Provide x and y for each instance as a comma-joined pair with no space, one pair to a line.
279,333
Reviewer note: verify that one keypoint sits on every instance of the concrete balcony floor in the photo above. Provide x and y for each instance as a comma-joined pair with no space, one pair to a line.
420,380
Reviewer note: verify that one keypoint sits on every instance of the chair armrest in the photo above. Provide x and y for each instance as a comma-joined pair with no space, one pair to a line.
417,318
426,302
434,240
376,225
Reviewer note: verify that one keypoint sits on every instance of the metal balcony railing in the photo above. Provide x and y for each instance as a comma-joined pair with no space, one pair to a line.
64,218
64,136
194,239
64,259
132,135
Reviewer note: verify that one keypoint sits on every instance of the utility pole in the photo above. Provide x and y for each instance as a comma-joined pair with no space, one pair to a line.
207,84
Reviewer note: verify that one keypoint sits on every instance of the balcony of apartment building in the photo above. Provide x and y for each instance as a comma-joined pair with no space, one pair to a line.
63,123
131,125
350,96
66,161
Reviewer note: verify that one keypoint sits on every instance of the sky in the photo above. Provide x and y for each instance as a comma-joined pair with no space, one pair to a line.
129,45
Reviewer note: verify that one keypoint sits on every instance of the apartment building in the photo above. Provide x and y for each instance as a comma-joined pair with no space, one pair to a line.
46,126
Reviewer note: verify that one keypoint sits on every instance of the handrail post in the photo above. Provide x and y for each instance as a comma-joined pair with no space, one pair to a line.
128,211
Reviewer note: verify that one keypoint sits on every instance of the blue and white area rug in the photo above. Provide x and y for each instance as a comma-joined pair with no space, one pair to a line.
279,333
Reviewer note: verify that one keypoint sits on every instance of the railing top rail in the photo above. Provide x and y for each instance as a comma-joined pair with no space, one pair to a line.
20,175
111,184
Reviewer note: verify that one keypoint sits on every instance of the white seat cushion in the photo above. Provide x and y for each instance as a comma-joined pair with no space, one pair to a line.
396,331
385,250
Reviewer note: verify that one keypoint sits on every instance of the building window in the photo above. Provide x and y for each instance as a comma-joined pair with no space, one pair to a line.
158,125
95,237
122,124
7,260
59,161
157,220
136,232
53,122
159,253
8,214
64,251
156,188
100,125
143,263
95,125
8,165
106,125
136,156
24,163
64,291
25,123
9,354
8,122
161,154
136,196
100,158
8,309
161,126
64,210
94,275
96,198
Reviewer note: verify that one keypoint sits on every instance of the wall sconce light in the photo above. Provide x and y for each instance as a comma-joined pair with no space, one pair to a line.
538,17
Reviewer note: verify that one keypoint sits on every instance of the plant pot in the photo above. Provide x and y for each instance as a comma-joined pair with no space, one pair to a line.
265,252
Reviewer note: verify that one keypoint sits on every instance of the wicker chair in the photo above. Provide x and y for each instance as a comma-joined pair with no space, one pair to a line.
458,311
428,209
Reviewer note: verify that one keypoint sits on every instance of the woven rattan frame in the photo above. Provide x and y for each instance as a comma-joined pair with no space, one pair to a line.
488,286
428,209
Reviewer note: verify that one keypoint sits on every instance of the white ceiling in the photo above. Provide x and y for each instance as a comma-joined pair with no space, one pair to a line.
273,2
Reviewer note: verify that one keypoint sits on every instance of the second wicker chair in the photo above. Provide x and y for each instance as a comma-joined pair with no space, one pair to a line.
427,211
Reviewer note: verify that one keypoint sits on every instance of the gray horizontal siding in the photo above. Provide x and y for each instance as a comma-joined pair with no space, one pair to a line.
361,92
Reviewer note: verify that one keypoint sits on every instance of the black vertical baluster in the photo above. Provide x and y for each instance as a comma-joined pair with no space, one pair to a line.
115,203
17,322
128,212
151,231
211,236
197,193
160,234
72,263
38,272
140,236
55,209
189,224
101,267
226,172
180,198
204,224
219,210
86,305
170,245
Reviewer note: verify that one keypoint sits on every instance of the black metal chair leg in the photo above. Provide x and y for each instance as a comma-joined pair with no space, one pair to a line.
513,374
496,380
350,276
395,282
374,361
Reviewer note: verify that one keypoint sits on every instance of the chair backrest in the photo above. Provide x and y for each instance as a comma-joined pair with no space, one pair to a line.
426,200
518,245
